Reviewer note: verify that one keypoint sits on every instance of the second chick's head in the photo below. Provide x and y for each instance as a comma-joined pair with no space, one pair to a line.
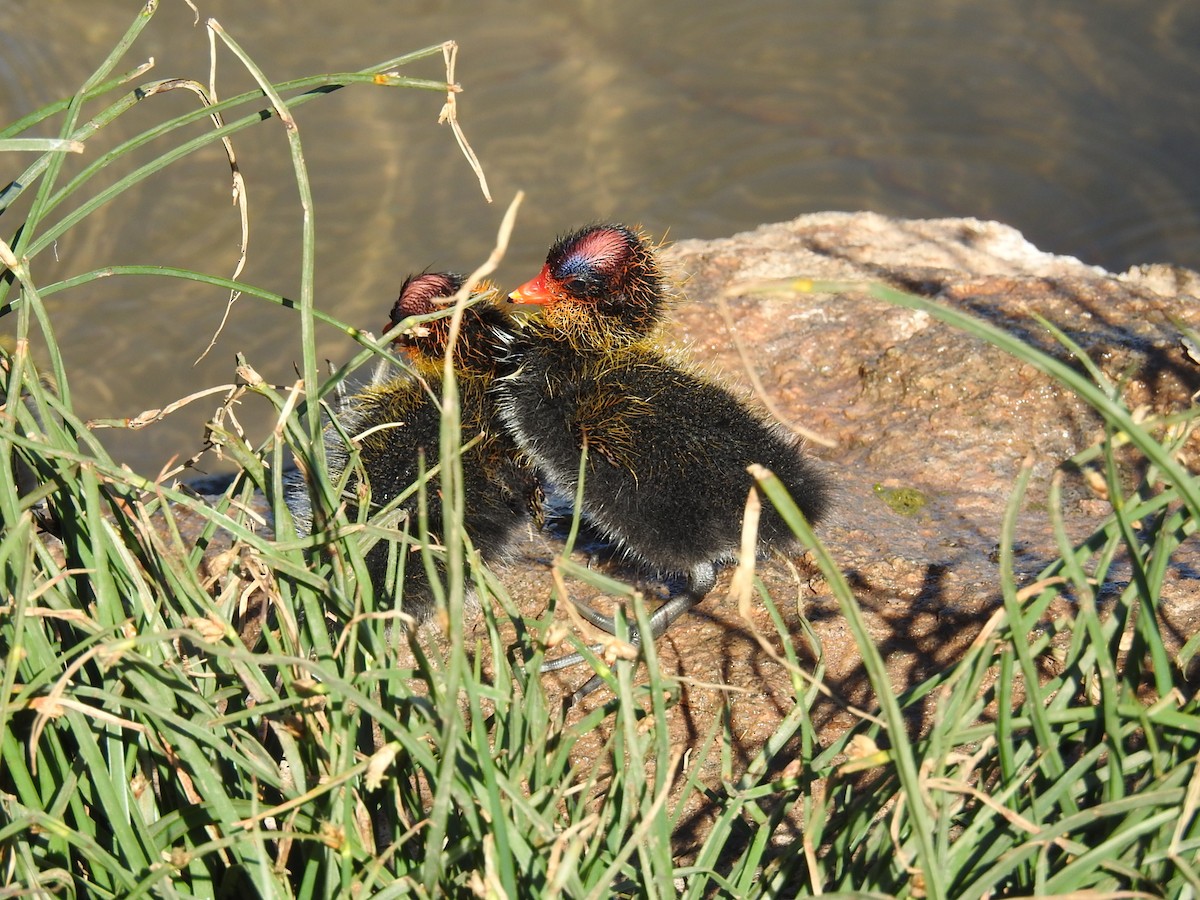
480,335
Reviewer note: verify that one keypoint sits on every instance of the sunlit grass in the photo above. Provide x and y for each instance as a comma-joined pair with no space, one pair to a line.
191,706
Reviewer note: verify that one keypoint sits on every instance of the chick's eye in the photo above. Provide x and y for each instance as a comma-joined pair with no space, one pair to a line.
578,280
574,270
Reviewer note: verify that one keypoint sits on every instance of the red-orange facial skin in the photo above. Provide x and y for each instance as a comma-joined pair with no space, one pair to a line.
536,291
563,314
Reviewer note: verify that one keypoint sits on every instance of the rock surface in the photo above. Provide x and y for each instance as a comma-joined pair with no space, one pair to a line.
929,428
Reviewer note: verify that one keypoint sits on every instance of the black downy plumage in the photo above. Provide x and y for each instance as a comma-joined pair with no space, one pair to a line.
667,450
395,421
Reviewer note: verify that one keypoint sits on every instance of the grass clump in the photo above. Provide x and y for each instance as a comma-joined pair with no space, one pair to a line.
189,706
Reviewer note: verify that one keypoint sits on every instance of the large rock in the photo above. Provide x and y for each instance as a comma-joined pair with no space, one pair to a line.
915,411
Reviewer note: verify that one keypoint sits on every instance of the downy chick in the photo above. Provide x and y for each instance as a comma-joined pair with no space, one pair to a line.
667,450
395,423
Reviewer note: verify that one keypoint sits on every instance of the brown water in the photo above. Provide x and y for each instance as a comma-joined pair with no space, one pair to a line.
1077,121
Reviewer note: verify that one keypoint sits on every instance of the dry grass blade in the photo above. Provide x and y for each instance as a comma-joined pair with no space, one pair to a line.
449,114
751,371
209,98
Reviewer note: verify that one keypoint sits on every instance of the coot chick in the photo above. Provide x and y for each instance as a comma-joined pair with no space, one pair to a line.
665,478
395,422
